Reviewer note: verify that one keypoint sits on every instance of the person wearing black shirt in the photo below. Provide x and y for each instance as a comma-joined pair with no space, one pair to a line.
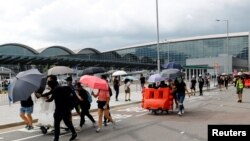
116,85
181,88
61,95
82,95
142,80
27,108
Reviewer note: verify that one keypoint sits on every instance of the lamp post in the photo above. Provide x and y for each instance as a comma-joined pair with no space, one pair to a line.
227,22
158,50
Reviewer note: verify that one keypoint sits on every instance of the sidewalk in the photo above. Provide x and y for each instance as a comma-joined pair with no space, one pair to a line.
10,113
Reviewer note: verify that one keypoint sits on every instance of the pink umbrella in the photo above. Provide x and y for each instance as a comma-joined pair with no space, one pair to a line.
94,82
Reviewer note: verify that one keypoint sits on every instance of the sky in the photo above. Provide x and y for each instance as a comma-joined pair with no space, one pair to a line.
112,24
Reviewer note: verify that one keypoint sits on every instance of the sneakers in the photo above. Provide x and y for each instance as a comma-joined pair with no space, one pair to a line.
73,137
105,123
30,127
182,111
179,113
93,124
98,130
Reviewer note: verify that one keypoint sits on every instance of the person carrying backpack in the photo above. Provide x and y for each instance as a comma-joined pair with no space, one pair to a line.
85,103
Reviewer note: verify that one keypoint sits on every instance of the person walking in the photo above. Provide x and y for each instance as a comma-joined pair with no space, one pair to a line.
226,81
239,88
105,120
181,88
75,100
201,84
102,104
26,111
142,81
127,89
61,95
82,95
193,85
116,85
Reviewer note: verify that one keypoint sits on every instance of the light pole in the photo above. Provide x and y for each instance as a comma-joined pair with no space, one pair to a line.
158,50
227,22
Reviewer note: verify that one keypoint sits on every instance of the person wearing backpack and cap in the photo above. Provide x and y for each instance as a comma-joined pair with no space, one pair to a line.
75,102
83,95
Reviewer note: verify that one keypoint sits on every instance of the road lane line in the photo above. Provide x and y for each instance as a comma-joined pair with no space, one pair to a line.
28,137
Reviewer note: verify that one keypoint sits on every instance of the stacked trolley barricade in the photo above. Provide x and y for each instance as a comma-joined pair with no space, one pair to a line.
157,100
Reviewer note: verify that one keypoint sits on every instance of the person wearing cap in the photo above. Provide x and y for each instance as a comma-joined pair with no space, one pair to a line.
75,103
201,84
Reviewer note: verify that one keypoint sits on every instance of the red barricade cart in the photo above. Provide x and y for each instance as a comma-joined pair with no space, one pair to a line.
157,100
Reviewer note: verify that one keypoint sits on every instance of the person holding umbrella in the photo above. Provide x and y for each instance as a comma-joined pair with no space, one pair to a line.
103,105
26,111
61,95
116,85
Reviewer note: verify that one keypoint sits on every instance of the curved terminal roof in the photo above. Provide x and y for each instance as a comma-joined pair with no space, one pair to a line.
88,51
17,49
56,51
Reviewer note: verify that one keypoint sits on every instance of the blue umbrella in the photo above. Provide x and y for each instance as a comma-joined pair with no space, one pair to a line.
172,65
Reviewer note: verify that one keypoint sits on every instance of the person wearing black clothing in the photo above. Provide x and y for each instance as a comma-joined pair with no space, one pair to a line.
142,80
82,95
180,91
75,100
163,85
61,95
201,84
116,85
193,84
27,108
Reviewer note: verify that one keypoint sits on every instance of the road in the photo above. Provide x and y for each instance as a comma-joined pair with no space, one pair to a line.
137,124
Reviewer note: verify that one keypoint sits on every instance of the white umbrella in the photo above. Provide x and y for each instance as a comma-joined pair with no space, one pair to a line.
117,73
155,78
60,70
130,78
24,84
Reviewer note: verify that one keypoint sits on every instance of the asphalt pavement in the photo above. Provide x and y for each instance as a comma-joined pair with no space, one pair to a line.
10,113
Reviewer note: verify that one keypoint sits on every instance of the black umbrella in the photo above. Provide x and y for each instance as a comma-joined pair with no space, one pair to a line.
93,70
172,65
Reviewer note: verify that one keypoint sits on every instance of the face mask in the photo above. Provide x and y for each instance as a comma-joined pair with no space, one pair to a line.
52,84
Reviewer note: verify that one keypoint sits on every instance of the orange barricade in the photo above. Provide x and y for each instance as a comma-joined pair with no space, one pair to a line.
247,83
157,99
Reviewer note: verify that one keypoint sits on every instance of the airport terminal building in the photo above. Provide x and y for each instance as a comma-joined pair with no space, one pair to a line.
18,57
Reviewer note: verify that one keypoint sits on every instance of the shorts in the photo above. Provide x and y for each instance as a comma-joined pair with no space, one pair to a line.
239,91
26,110
127,90
101,104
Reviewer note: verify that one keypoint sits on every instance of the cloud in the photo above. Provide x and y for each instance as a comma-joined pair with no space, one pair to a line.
110,24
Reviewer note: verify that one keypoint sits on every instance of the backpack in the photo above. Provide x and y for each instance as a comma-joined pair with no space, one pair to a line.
110,92
89,96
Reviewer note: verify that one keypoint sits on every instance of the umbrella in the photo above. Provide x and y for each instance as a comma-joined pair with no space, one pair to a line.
171,73
59,70
93,70
117,73
155,78
24,84
94,82
172,65
130,78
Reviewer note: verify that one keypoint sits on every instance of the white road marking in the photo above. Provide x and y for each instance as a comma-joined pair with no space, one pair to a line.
28,137
1,138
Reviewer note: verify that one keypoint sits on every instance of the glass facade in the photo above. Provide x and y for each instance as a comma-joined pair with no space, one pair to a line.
141,56
179,51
